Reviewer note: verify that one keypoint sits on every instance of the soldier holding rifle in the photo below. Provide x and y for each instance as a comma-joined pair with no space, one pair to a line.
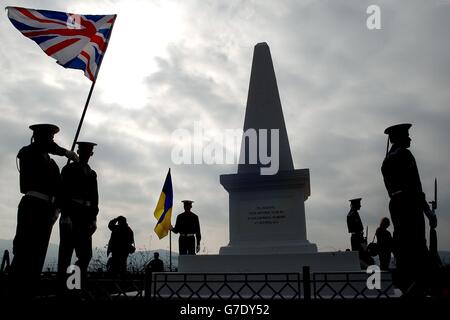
407,207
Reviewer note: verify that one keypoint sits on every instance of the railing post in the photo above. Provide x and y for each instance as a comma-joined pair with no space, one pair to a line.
306,283
148,284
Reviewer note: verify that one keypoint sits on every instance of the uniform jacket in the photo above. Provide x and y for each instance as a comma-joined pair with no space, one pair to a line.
188,223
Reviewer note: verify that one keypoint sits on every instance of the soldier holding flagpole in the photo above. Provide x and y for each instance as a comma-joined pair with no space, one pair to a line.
77,42
188,226
40,184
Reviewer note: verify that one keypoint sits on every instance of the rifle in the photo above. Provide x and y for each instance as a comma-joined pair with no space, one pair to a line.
433,247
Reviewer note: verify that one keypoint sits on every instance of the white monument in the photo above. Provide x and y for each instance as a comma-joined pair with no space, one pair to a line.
267,212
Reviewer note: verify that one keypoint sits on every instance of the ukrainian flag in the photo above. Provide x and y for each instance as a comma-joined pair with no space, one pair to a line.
163,211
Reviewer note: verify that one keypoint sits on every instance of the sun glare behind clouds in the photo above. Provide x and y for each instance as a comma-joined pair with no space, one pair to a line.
142,32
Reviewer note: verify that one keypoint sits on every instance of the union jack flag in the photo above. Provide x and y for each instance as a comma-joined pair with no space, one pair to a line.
75,41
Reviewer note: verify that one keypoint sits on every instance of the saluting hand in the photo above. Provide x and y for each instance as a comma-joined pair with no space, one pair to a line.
72,155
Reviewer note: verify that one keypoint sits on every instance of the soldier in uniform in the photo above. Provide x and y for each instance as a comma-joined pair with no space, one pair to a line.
355,226
357,240
40,182
407,208
384,243
120,245
156,264
79,209
188,226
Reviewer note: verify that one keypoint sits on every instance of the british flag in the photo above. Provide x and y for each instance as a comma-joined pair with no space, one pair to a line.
75,41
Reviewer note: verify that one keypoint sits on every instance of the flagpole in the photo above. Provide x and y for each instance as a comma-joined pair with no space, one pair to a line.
170,251
92,89
82,115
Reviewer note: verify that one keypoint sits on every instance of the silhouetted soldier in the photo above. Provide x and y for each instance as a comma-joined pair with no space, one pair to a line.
407,208
120,245
188,226
79,209
384,243
156,264
355,226
40,182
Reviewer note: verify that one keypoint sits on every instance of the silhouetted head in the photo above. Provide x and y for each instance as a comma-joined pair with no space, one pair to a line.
85,150
187,205
399,134
156,255
121,221
43,134
355,203
385,223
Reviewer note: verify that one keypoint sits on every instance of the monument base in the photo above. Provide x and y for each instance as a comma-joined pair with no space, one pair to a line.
341,261
267,213
287,247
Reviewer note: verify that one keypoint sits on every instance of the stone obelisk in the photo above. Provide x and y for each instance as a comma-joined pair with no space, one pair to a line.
266,206
264,110
267,212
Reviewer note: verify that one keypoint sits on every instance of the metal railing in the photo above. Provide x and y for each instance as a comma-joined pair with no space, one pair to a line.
349,285
304,286
115,289
226,286
267,286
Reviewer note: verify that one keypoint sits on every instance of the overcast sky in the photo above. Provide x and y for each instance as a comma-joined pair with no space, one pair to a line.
171,63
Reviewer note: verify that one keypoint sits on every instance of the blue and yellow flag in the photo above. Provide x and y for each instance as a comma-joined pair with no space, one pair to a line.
163,211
